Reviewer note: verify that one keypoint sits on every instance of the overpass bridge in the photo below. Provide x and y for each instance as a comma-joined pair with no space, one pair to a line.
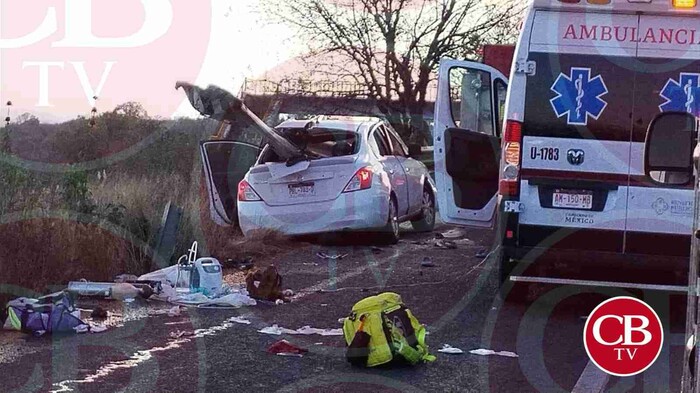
297,96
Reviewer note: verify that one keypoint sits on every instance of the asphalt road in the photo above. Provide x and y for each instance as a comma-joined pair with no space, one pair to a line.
459,300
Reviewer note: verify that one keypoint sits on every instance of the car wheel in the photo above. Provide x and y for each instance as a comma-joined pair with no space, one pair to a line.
390,233
426,223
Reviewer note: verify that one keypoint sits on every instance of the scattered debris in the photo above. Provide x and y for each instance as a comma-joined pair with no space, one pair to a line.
99,313
288,293
427,262
482,253
125,278
439,236
123,291
174,312
52,314
306,330
265,284
452,234
98,328
446,348
377,250
181,333
285,348
464,242
488,352
80,329
233,299
279,302
239,320
445,244
117,291
387,315
334,257
244,263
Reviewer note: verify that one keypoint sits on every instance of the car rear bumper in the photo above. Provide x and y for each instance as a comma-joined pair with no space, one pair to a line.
361,210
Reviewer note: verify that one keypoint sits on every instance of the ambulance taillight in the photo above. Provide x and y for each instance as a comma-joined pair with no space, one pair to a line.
684,3
512,139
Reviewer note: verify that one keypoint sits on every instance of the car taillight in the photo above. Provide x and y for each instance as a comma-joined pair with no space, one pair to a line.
508,185
246,192
684,3
362,180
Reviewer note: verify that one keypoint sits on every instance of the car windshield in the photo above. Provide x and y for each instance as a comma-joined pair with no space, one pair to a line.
320,142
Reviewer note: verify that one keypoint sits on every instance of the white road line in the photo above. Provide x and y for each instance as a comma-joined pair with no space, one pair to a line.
592,380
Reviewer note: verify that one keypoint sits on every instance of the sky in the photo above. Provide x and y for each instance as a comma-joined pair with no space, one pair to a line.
138,50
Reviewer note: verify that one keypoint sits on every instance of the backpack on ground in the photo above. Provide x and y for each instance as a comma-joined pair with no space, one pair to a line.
380,329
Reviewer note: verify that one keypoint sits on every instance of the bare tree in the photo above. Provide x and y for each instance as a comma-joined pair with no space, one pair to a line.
393,47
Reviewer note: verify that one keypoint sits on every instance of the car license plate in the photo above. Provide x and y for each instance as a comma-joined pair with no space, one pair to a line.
301,190
572,199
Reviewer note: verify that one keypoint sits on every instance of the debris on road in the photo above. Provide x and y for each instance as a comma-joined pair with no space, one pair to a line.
333,257
377,250
174,312
55,314
306,330
453,234
482,253
98,328
125,278
488,352
123,291
181,333
445,244
285,348
239,320
265,284
385,312
427,262
446,348
245,263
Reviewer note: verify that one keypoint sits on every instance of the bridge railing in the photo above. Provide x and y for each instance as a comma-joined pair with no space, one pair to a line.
301,87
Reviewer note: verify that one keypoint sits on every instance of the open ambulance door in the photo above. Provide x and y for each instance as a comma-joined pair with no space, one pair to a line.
225,164
468,118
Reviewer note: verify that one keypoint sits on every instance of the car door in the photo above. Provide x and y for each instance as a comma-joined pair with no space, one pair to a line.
413,169
467,141
393,168
225,163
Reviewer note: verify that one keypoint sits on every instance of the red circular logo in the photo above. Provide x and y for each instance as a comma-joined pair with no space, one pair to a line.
623,336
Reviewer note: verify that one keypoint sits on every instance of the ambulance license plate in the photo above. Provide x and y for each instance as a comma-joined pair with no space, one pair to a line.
572,199
301,190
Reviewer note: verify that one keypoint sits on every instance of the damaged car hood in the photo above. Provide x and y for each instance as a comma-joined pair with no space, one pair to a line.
218,104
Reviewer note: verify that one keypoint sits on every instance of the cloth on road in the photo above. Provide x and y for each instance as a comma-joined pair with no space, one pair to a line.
306,330
488,352
285,348
446,348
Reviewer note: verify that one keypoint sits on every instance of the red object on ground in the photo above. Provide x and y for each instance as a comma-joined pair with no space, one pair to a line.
285,347
499,57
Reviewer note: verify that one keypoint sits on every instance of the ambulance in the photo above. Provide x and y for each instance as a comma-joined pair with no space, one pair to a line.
583,155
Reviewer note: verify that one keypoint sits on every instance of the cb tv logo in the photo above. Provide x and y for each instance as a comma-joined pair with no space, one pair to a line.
623,336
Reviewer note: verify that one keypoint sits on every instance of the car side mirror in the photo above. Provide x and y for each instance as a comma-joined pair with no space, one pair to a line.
668,150
415,151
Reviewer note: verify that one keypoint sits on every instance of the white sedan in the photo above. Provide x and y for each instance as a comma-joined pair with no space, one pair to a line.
327,174
355,174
